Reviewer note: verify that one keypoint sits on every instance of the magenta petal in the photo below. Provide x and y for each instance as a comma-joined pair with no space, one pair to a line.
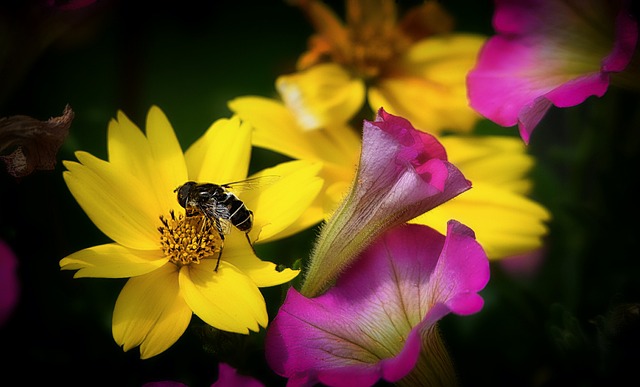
404,167
9,284
464,268
228,376
410,147
368,326
546,52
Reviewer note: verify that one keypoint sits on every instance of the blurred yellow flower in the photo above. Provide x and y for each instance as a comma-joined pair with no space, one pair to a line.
413,66
169,258
505,220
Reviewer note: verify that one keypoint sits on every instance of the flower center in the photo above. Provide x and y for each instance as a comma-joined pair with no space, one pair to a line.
187,240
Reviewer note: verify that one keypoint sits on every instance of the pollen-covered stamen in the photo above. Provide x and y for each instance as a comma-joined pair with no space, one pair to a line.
187,240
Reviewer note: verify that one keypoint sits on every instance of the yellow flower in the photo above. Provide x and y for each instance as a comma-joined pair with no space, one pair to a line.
505,220
414,67
169,258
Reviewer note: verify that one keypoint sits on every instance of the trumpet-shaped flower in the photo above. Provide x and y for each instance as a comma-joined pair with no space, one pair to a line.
169,257
375,321
505,220
413,66
402,173
549,53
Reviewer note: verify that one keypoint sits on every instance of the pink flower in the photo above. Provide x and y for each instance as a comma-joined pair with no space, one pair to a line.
9,284
373,323
227,377
403,173
549,53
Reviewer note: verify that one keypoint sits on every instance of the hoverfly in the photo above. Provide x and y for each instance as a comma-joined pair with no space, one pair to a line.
219,205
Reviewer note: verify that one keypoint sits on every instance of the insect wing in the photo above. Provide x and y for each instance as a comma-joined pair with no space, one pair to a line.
251,183
223,225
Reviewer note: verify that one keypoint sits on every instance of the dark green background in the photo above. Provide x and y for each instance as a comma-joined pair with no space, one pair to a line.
574,322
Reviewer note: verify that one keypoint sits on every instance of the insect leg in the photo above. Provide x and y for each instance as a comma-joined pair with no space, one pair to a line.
220,230
246,234
220,252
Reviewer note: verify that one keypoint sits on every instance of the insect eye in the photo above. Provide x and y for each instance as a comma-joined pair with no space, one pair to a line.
183,193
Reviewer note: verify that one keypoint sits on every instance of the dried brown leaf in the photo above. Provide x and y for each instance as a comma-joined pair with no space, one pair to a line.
27,144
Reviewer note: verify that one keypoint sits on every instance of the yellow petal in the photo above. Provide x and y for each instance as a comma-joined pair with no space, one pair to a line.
150,312
308,219
262,273
505,223
431,92
444,59
279,205
129,148
344,140
227,299
222,154
322,96
116,202
274,127
499,160
112,261
155,160
429,107
168,169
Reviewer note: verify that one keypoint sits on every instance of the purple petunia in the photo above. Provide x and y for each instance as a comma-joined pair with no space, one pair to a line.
549,53
403,173
371,323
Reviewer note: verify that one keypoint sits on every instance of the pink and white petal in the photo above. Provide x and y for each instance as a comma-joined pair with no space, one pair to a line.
150,312
508,77
558,52
402,173
106,196
464,265
350,333
226,299
113,261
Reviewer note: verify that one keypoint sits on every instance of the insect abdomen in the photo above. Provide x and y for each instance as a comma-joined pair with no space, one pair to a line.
241,217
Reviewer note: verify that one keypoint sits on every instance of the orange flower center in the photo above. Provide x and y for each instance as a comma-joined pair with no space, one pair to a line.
187,240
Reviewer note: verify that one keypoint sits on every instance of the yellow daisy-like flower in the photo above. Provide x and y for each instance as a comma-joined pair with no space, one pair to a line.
505,220
170,258
413,66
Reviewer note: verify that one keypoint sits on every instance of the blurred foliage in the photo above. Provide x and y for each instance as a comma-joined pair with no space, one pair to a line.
575,320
